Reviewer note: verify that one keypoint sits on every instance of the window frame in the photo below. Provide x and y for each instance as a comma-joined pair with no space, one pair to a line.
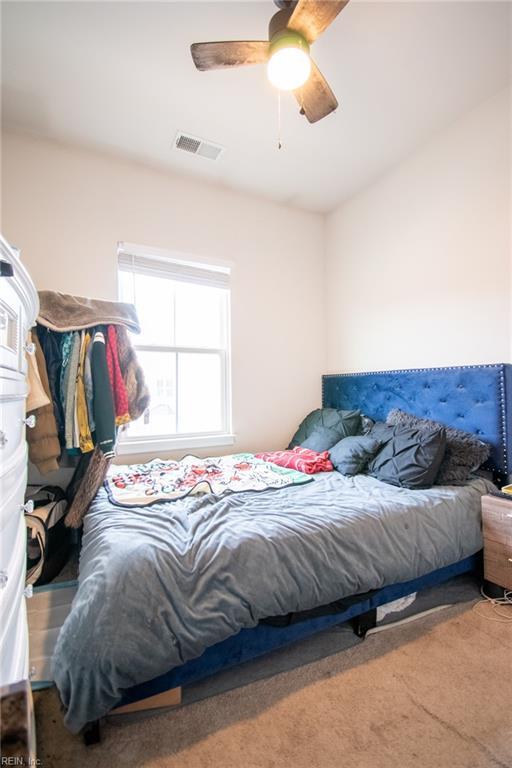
134,444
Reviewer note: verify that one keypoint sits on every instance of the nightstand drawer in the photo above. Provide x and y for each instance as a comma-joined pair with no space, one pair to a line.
497,519
498,563
497,526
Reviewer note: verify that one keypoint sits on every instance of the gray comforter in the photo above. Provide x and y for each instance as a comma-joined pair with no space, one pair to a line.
160,584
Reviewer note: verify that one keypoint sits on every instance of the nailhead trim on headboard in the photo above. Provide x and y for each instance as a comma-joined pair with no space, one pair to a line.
503,409
504,437
415,370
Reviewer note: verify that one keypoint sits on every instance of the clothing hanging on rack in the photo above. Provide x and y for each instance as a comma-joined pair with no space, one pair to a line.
116,378
85,439
94,382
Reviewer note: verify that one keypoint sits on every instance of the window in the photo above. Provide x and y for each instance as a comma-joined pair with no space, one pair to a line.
183,347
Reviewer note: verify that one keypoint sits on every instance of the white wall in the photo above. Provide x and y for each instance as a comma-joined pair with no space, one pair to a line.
67,208
419,264
417,269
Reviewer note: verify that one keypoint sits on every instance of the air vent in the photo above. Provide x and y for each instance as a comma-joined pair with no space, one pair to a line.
195,146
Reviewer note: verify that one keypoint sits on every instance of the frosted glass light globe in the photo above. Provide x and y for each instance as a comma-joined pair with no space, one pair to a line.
289,68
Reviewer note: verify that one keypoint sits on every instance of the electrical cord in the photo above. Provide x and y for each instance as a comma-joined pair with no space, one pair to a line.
496,603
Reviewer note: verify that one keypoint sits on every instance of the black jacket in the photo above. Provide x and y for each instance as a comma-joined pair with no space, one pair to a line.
50,343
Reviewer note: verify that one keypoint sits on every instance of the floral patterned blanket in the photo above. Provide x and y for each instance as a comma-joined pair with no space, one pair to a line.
135,485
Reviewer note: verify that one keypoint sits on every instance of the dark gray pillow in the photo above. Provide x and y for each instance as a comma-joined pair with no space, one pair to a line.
351,455
381,431
321,439
345,423
464,454
366,424
410,457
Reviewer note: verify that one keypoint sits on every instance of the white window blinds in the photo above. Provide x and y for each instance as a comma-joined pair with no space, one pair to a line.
174,269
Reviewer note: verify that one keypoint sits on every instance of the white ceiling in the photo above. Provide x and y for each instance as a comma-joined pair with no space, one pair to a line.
119,76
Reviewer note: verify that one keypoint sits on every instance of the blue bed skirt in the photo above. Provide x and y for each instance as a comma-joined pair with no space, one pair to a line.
250,643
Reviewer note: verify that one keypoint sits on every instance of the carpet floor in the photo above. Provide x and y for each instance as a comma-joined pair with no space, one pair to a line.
435,693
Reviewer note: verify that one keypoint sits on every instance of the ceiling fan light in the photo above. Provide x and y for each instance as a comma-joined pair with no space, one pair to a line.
289,65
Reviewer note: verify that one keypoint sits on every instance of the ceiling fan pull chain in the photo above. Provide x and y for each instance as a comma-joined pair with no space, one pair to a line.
279,142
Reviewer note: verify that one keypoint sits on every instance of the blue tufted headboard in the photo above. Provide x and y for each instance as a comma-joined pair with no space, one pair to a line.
476,398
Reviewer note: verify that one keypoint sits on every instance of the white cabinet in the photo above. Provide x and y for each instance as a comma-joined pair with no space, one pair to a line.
18,311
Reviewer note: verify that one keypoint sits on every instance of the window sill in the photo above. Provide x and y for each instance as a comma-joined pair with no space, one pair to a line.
166,444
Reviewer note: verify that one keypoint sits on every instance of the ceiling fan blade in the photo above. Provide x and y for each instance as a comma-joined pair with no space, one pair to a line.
235,53
312,17
315,96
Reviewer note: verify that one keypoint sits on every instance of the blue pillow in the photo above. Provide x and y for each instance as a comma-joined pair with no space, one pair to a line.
351,455
321,439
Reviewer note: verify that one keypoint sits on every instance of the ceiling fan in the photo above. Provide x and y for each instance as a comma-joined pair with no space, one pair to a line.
291,31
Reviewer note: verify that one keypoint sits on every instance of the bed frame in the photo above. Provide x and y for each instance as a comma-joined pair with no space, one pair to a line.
475,398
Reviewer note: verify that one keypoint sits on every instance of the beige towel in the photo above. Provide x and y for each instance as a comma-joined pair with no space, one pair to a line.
63,312
43,441
36,397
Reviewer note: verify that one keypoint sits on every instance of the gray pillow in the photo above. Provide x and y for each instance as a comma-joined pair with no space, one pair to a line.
351,455
345,423
410,457
321,439
464,454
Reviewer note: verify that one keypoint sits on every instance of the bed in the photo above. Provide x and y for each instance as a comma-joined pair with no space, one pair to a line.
172,593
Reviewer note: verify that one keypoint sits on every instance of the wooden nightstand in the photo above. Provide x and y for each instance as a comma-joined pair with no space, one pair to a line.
497,532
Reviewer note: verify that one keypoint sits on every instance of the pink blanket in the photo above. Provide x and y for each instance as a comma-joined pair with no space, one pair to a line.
301,459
